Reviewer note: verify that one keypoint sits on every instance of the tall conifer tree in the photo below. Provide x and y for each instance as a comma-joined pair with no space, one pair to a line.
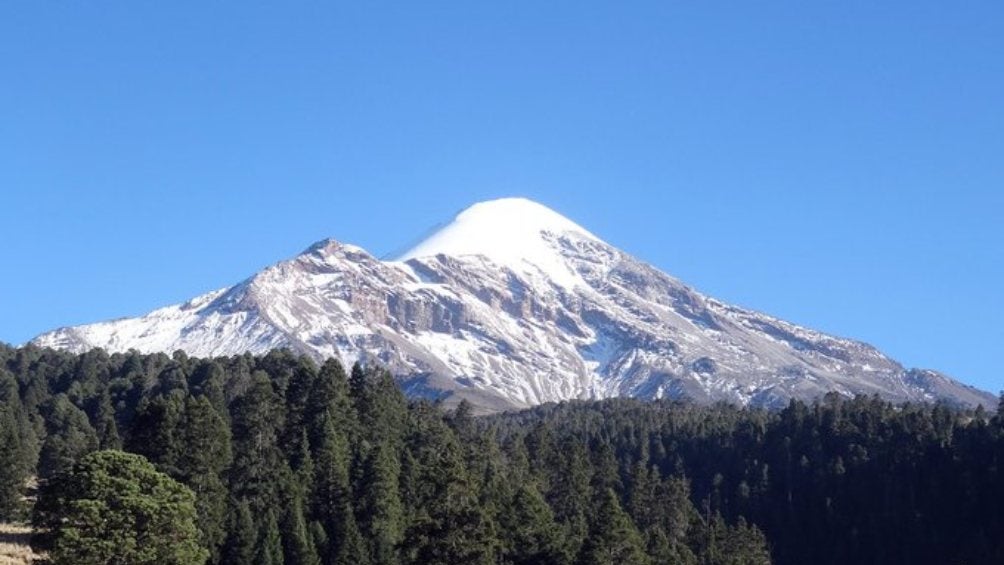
613,538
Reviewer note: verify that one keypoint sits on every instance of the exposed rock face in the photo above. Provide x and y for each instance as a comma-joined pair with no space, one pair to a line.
512,305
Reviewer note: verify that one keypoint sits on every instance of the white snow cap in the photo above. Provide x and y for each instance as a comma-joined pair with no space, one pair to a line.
508,231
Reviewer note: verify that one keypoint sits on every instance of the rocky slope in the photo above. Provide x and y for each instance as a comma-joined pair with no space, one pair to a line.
512,305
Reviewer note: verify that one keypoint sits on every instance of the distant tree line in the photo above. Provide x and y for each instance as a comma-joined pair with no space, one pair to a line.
275,460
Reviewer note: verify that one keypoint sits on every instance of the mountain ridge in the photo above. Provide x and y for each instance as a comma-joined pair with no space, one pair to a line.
512,305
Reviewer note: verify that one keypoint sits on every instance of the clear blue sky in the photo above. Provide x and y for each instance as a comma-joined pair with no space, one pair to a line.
840,165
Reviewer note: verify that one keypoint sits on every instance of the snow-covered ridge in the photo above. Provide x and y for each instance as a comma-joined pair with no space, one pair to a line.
511,305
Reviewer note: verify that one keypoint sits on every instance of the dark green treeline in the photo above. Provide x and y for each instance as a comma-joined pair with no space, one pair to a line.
293,463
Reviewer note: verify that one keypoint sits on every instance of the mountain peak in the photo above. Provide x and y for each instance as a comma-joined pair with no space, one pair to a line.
330,246
513,232
517,233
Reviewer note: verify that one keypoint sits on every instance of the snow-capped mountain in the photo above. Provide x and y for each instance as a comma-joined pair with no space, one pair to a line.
512,305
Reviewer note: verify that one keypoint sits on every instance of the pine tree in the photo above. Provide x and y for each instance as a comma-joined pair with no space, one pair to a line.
15,463
543,455
351,548
674,513
381,512
104,423
154,431
268,548
744,544
606,473
201,466
462,420
613,538
13,467
319,539
298,547
241,539
447,523
115,507
380,405
258,464
530,534
710,537
642,501
210,381
358,384
69,436
658,548
302,383
571,495
329,402
332,491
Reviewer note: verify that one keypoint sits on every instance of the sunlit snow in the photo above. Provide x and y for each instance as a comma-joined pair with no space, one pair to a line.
510,232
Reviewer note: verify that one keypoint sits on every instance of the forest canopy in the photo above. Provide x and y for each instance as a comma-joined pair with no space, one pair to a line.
294,463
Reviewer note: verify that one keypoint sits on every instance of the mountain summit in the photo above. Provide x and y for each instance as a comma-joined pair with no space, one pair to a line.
515,233
510,305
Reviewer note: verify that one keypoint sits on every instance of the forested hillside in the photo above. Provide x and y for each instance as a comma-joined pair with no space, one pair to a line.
298,464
